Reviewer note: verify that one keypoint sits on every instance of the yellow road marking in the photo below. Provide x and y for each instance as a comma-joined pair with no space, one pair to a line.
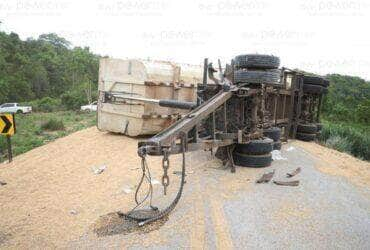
223,237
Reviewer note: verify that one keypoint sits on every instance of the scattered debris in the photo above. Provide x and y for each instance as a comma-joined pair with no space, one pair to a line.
127,190
287,183
99,170
3,183
266,177
295,172
291,148
276,155
155,182
73,212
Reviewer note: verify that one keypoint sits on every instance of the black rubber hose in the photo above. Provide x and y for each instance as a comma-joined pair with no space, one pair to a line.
177,104
166,211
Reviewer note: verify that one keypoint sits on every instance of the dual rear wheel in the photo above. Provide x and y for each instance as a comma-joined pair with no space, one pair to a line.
256,153
308,131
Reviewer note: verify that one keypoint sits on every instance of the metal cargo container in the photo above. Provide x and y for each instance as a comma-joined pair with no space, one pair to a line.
120,80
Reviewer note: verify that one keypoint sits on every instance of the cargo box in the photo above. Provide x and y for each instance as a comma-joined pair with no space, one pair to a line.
145,79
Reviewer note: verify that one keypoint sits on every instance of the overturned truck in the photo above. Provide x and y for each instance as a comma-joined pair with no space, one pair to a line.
243,114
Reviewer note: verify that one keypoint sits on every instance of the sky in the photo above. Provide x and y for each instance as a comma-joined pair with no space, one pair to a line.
320,36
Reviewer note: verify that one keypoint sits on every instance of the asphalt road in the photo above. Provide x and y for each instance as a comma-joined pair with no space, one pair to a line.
230,211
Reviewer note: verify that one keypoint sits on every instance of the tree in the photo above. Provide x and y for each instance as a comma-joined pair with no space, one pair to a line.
42,67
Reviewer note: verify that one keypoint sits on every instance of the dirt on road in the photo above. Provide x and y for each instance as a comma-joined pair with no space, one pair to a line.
53,197
337,163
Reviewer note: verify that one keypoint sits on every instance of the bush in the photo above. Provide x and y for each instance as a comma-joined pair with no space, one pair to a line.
339,143
46,104
53,124
73,100
77,96
347,138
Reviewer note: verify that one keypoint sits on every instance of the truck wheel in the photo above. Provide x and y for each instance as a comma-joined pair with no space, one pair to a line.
253,161
19,111
305,136
315,80
256,61
271,76
273,133
307,128
312,89
255,147
276,145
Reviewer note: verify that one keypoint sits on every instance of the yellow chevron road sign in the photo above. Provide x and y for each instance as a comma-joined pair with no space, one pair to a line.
7,125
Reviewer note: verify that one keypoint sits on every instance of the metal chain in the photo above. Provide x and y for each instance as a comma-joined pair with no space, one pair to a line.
165,166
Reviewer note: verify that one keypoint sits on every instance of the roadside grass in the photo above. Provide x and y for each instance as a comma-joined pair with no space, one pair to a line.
36,129
345,137
53,125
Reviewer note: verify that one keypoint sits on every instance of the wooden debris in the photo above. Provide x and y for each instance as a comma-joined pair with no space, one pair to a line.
295,172
287,183
265,178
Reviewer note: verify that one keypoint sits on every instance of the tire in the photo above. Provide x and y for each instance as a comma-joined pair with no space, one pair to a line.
253,161
256,61
277,145
307,128
319,126
19,111
315,80
255,147
306,136
312,89
273,133
257,77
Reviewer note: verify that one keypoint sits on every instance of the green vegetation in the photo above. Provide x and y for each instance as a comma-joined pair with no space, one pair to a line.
346,113
46,67
351,138
348,100
53,124
31,134
51,76
45,104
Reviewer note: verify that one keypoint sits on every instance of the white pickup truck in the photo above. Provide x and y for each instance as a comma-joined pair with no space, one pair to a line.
90,107
15,108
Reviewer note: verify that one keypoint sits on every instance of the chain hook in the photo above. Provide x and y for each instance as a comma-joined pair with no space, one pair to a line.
165,166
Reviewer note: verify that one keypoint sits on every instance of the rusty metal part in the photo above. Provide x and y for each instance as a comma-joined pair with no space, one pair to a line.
205,71
231,160
266,177
287,183
165,166
211,71
184,125
295,172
